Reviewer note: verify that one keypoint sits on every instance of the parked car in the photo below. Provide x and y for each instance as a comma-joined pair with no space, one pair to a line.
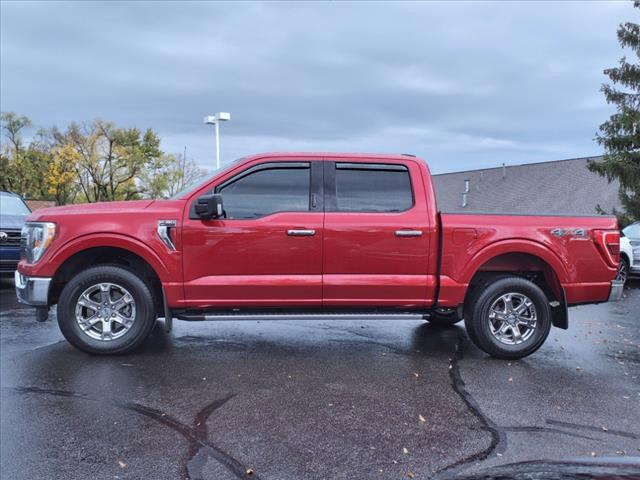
626,259
313,236
13,213
630,241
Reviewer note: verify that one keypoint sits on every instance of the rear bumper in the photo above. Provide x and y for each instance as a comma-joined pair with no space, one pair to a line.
616,290
32,291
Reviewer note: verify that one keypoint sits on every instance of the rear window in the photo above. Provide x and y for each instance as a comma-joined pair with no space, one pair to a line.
373,188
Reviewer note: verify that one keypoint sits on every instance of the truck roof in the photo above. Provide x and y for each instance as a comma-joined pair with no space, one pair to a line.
395,156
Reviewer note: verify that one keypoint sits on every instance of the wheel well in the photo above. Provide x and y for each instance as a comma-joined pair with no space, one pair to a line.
626,257
106,256
527,266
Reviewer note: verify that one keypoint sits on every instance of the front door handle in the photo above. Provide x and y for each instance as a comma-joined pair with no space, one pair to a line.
408,233
301,233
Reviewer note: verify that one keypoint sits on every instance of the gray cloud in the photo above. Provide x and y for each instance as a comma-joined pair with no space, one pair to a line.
464,85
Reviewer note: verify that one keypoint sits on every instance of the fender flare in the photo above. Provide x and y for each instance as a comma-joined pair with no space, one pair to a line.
112,240
503,247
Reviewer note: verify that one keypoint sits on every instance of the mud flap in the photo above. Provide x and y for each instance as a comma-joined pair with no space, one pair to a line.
168,315
560,312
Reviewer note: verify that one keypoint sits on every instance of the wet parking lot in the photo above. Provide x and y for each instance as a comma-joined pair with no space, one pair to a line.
321,400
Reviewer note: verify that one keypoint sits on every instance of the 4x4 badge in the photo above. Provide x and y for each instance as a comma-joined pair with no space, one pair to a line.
566,232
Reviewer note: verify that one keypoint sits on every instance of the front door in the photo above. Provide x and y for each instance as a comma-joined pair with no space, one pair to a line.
376,235
267,252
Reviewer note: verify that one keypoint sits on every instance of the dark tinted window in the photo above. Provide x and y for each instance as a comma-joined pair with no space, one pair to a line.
373,189
267,191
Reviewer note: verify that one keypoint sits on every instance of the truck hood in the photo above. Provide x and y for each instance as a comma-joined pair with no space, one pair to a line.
88,208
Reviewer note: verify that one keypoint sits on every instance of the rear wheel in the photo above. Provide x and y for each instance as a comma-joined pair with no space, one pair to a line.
509,318
106,310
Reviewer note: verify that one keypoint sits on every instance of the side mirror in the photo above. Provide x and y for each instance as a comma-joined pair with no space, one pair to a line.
209,206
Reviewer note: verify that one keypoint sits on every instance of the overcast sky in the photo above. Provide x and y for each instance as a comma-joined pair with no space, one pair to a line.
463,85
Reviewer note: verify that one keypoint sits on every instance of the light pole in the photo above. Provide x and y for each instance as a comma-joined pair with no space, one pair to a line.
215,121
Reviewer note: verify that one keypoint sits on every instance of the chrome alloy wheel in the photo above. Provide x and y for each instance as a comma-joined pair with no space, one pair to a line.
105,311
512,318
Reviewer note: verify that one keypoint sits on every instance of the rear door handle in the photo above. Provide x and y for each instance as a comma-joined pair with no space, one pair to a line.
408,233
301,233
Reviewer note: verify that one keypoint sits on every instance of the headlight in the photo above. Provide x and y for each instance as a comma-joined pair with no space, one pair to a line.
36,238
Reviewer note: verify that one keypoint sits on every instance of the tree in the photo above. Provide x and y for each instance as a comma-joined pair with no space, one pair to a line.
61,174
111,159
22,167
620,135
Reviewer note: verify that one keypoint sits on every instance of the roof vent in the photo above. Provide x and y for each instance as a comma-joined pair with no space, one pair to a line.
465,192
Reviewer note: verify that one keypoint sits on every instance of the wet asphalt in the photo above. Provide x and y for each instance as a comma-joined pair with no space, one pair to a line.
321,400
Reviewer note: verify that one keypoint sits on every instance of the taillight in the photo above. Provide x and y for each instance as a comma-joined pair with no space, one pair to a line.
608,241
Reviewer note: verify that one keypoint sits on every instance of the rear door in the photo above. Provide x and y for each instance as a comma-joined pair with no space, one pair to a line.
376,235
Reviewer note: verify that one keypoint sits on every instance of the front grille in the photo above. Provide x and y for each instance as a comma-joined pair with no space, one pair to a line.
12,238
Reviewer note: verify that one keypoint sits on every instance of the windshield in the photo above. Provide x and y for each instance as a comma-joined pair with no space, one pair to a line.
204,178
10,205
632,231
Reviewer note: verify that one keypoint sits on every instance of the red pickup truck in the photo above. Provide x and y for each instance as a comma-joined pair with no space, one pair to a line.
312,236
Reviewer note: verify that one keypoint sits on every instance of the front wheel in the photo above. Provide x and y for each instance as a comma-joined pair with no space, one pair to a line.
106,310
509,318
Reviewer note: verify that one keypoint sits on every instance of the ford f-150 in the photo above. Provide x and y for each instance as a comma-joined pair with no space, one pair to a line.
312,236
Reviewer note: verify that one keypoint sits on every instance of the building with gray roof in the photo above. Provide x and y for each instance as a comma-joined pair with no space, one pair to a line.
563,187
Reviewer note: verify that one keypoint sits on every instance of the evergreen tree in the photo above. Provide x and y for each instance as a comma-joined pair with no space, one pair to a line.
620,135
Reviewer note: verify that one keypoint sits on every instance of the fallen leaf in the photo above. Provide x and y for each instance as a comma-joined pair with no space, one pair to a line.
410,474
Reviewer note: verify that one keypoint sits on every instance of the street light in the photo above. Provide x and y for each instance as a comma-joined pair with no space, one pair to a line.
215,121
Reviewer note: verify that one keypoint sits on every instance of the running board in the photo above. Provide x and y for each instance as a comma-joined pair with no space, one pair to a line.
226,316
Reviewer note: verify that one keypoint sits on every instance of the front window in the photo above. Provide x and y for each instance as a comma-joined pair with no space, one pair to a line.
10,205
268,189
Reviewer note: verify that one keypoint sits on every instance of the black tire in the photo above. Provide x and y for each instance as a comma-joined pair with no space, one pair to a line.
479,325
444,317
623,269
143,320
